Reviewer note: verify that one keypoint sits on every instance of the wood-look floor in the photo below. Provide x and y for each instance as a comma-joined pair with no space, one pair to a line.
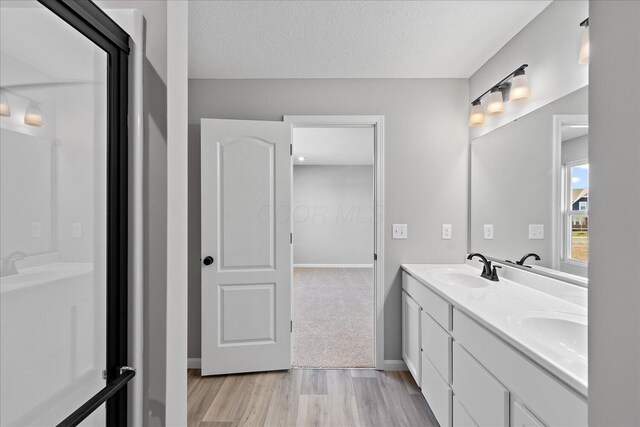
307,397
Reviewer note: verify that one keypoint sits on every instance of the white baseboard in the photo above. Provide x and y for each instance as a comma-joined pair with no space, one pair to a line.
194,363
333,265
389,365
395,365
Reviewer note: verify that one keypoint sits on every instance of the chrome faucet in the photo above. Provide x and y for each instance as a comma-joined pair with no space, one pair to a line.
487,272
9,263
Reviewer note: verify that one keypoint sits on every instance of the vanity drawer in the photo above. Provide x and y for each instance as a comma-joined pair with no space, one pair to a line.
546,396
485,399
437,393
439,309
436,345
461,417
521,417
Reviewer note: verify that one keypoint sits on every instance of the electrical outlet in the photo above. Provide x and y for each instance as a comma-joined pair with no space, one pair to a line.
399,231
446,231
488,232
536,231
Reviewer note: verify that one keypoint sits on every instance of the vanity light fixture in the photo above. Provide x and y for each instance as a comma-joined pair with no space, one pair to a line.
584,48
5,111
476,117
33,116
514,87
519,87
496,103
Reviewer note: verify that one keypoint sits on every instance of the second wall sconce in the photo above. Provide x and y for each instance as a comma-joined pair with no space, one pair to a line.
514,88
584,47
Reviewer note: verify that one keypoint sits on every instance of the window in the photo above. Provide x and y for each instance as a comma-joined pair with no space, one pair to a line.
576,217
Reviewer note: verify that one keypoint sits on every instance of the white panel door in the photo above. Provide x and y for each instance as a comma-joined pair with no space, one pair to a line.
246,248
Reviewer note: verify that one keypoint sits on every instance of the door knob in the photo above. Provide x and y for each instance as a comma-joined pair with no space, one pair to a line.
208,260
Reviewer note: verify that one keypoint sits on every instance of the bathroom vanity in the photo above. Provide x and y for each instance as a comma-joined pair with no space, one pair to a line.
506,353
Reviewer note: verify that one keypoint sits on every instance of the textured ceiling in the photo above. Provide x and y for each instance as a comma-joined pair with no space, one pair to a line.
350,39
333,146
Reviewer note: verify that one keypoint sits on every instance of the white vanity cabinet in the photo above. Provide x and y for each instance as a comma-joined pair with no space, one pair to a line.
434,344
470,376
411,335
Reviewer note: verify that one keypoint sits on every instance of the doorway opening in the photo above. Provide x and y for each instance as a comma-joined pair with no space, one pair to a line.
334,180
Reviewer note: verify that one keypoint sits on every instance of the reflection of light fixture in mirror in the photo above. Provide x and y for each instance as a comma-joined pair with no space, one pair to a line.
584,48
519,87
33,116
476,117
496,103
301,159
5,111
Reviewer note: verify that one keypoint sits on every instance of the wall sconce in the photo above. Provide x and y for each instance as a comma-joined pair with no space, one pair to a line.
519,87
514,87
584,48
33,116
476,117
5,111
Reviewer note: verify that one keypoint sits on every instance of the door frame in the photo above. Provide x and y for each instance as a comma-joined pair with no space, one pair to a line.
377,122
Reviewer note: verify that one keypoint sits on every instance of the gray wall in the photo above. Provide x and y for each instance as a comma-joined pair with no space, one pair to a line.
333,214
155,189
512,182
426,169
614,270
550,44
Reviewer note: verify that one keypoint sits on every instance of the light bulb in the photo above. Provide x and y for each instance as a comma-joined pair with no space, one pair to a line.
495,105
33,116
519,87
476,117
584,49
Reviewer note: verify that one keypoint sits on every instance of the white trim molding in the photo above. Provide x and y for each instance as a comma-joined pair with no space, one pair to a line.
377,122
332,265
557,228
194,363
177,218
395,365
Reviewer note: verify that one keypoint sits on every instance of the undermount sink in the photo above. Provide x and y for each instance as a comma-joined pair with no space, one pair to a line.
564,332
458,278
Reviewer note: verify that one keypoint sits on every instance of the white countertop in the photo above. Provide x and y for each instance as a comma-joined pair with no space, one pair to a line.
501,306
43,275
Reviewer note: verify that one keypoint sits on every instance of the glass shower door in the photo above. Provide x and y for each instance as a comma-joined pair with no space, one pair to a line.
57,234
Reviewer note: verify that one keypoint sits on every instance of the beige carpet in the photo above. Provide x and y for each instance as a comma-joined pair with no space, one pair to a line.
333,318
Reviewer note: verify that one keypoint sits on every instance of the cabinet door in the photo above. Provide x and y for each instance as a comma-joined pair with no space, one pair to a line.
411,335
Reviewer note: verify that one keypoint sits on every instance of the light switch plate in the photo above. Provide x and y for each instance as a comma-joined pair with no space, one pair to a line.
76,230
536,231
446,231
488,232
36,229
399,231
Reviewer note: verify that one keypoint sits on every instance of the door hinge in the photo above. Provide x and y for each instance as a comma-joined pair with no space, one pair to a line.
291,238
292,326
291,149
104,374
375,257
